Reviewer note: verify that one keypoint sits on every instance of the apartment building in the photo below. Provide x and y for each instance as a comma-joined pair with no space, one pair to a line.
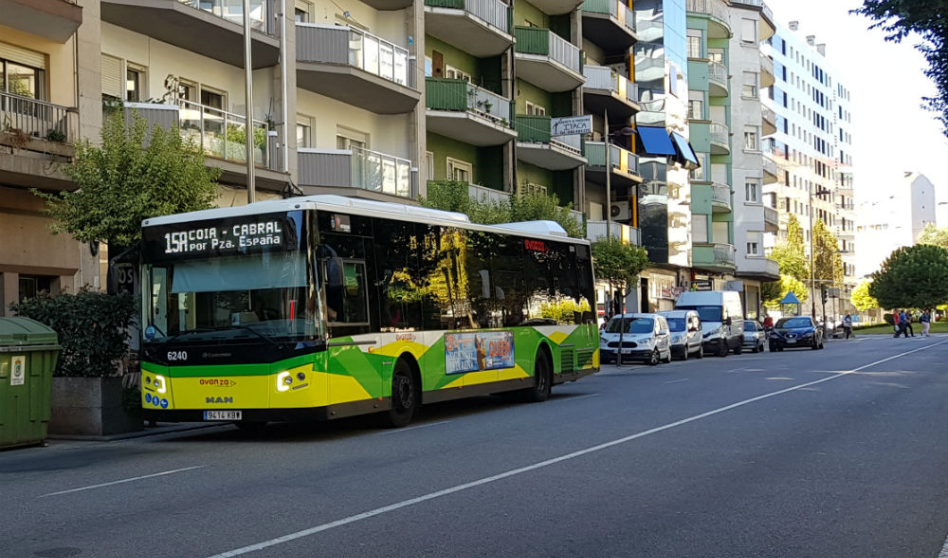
726,72
812,144
49,97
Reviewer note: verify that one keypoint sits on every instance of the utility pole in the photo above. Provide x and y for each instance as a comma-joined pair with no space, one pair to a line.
248,86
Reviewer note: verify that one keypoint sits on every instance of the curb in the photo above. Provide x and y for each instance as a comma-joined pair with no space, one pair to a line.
148,431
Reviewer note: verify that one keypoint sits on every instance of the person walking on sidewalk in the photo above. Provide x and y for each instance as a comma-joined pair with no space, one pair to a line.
848,326
906,318
896,326
926,320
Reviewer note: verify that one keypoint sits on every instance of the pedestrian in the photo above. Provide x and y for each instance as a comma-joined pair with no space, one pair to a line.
906,319
926,320
895,323
848,326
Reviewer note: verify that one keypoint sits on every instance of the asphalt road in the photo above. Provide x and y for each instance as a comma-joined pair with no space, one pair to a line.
834,453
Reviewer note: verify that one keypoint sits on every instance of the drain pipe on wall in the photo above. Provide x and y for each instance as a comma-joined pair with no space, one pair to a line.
286,117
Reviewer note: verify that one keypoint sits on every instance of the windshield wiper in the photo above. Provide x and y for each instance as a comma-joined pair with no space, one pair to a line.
223,328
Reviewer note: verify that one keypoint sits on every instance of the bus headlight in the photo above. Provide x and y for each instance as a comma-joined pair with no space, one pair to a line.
160,384
284,379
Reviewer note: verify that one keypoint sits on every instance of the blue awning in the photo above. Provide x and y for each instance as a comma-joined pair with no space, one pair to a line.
655,141
684,149
790,299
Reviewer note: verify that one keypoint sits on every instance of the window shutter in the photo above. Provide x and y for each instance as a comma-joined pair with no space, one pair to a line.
112,77
23,56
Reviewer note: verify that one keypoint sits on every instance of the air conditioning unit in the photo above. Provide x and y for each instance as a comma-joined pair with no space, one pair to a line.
529,188
621,211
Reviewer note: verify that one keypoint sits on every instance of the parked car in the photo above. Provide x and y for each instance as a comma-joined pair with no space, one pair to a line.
797,332
722,319
755,338
645,337
685,328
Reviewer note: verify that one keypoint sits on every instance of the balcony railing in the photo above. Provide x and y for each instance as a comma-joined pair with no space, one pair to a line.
603,77
717,73
724,253
721,194
334,44
535,40
620,159
459,95
596,230
222,134
493,12
770,166
771,216
484,194
713,8
37,119
766,64
768,115
536,129
720,134
356,168
615,8
233,10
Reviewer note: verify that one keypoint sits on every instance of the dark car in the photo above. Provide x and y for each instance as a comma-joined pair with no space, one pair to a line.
798,332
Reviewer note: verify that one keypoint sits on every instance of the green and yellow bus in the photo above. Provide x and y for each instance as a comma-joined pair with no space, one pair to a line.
325,307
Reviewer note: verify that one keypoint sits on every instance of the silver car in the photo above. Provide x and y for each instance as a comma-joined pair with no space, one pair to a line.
685,328
755,338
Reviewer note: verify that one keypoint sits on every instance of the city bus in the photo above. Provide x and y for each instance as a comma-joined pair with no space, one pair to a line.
325,307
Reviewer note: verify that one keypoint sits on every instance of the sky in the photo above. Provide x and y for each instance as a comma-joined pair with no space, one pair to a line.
892,132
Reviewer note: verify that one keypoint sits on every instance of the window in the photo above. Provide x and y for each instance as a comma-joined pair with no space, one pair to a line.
750,139
302,11
350,139
429,165
134,84
696,109
460,171
748,32
752,191
699,229
535,110
346,299
694,46
22,72
428,66
454,73
304,131
716,55
753,249
213,99
750,85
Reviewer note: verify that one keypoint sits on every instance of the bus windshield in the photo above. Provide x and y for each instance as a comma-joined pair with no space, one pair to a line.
254,295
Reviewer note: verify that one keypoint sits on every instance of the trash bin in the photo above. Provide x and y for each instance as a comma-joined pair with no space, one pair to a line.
28,353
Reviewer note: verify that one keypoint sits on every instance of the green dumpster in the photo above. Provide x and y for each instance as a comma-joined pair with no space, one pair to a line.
28,353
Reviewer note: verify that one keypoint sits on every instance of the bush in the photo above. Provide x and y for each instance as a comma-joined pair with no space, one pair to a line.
92,328
888,319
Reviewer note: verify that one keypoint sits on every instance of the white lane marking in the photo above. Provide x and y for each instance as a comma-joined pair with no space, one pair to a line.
123,481
397,430
676,381
542,464
577,398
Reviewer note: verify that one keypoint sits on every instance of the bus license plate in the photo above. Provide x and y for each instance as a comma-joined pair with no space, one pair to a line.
223,415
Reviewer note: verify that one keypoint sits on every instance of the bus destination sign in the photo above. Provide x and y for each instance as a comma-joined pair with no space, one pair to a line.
226,238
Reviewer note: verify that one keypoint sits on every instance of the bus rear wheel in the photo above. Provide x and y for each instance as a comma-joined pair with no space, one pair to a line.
543,373
405,396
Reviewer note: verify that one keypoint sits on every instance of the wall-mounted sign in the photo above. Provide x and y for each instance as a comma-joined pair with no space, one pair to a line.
571,125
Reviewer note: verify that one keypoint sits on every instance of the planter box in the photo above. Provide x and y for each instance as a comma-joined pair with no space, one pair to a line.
90,407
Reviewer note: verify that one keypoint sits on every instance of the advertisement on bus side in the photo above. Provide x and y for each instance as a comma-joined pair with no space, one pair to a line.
474,352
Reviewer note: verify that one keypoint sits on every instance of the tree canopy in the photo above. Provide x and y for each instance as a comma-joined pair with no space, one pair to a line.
861,298
774,291
128,180
827,261
912,277
933,235
924,19
618,262
790,255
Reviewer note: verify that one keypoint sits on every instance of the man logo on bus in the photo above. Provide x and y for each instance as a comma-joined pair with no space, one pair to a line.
218,399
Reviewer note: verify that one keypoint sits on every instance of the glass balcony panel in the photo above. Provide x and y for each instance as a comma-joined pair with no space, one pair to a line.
371,59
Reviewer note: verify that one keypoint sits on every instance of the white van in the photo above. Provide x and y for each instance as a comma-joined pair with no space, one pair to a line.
646,338
722,319
686,335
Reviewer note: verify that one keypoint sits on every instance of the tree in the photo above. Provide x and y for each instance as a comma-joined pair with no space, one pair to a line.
861,298
912,277
128,180
827,262
536,206
619,264
933,235
790,255
924,19
774,291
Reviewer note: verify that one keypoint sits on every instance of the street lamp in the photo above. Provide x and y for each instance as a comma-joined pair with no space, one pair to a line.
819,192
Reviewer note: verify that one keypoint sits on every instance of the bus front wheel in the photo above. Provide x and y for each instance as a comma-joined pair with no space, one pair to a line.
405,395
543,372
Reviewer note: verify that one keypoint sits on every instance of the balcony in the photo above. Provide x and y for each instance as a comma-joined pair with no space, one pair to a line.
35,142
359,169
768,119
222,136
355,67
537,147
771,171
767,28
771,220
714,257
767,75
484,194
547,60
596,230
478,27
607,90
759,267
610,24
720,139
459,110
625,164
717,79
212,28
720,198
719,26
556,7
55,20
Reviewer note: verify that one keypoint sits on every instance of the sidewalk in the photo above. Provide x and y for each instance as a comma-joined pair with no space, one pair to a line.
160,428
